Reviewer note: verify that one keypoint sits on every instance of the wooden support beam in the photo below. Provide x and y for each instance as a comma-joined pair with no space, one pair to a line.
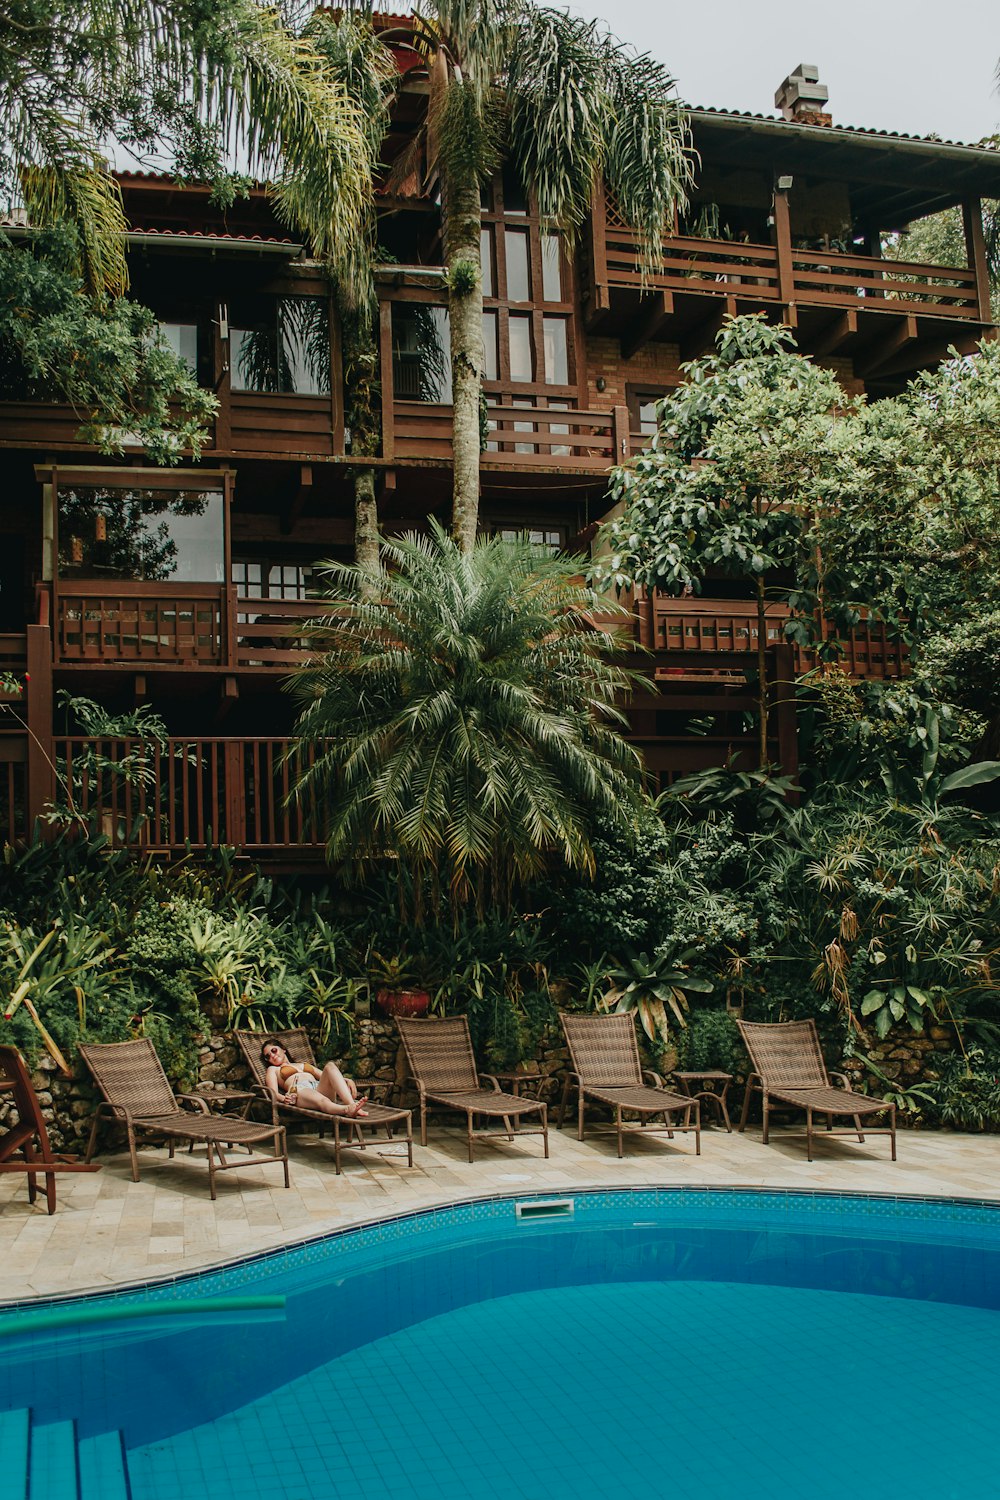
975,245
140,688
229,691
783,248
902,332
925,356
654,312
297,501
41,788
835,333
701,338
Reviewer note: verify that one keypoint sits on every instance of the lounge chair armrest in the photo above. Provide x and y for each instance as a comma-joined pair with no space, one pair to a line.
653,1078
485,1078
262,1094
844,1081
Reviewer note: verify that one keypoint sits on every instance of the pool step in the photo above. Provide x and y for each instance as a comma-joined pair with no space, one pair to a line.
52,1471
46,1461
103,1469
15,1427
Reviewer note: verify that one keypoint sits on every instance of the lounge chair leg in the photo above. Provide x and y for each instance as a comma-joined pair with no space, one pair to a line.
336,1146
468,1123
809,1135
409,1140
579,1116
697,1128
564,1100
423,1121
283,1139
767,1111
545,1129
211,1171
892,1127
857,1126
93,1138
746,1107
132,1153
618,1121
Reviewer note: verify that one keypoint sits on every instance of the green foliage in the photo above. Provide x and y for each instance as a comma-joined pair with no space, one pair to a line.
655,988
710,1041
463,277
107,359
461,711
967,1093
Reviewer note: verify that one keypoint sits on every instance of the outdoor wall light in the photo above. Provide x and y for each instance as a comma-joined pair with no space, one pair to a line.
784,183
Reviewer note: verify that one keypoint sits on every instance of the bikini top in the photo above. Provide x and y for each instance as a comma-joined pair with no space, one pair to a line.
291,1070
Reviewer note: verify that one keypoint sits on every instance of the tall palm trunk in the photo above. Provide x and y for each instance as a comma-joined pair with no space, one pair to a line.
462,224
366,538
762,686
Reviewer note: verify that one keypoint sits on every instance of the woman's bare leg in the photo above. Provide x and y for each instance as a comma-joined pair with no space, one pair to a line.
334,1085
313,1099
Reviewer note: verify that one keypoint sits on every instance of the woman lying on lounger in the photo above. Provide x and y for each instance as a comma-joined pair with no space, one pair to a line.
300,1083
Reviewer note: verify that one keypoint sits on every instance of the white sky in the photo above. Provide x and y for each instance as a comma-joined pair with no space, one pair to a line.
907,66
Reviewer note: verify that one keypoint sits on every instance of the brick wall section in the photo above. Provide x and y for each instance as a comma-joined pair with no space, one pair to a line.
655,366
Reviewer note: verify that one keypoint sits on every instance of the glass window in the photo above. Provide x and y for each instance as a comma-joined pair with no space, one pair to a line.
550,540
421,352
518,279
647,418
515,200
248,578
491,366
150,535
521,362
182,338
552,290
288,354
556,356
288,581
486,256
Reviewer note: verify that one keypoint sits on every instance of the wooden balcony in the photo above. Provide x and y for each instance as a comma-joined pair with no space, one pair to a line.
530,438
727,268
206,628
711,627
192,793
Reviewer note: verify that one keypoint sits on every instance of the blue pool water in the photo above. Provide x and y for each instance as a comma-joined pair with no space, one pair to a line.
677,1342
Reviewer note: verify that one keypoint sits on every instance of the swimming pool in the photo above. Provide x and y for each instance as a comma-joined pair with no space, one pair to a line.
681,1341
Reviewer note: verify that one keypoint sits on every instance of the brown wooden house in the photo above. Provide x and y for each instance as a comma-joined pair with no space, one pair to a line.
184,588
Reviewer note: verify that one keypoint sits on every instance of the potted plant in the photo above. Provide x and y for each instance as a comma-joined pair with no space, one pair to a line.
398,984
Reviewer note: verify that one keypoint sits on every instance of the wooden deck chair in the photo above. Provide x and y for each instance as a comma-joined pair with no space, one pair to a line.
298,1046
29,1136
443,1068
606,1067
138,1094
789,1068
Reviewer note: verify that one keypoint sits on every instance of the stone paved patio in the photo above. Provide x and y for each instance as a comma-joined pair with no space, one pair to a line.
108,1230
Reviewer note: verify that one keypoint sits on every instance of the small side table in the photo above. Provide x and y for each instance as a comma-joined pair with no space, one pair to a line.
223,1097
538,1081
715,1088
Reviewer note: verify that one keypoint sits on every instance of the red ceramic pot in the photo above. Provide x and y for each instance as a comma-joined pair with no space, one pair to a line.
403,1002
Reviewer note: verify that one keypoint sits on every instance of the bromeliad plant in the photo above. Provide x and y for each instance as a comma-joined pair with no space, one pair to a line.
655,988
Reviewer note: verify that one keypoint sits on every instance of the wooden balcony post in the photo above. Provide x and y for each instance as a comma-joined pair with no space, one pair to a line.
975,246
598,298
41,749
385,376
784,708
234,797
223,379
783,247
621,433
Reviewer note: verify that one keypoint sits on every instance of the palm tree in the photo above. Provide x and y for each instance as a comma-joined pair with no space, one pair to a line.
566,104
459,716
218,81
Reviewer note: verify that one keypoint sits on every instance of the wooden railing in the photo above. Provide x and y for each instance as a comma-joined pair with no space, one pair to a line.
693,625
531,437
190,793
694,265
837,280
139,622
732,268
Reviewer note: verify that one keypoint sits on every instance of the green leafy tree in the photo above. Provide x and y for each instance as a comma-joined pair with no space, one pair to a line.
731,482
459,717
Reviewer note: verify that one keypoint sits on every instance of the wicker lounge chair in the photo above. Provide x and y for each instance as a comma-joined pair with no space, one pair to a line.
298,1046
29,1136
789,1069
444,1071
137,1093
606,1067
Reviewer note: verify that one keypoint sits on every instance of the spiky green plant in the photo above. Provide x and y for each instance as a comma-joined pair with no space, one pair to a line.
459,716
